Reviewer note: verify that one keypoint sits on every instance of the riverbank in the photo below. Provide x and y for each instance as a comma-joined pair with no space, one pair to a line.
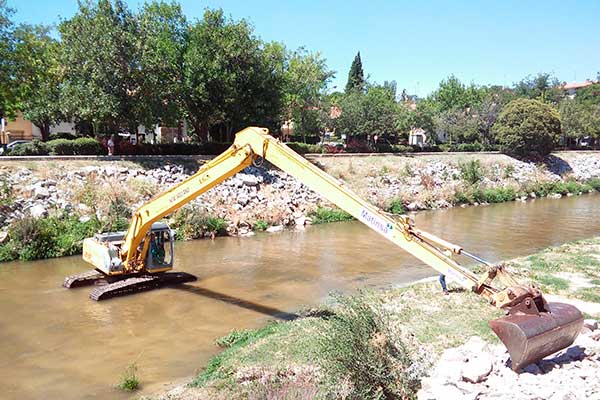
58,203
388,342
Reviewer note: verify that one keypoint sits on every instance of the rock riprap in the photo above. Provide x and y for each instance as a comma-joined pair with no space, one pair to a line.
478,370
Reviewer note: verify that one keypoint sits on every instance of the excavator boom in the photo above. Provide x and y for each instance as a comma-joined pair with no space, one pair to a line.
532,330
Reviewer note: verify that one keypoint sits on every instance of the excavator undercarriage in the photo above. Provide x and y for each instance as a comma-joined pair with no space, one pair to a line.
139,259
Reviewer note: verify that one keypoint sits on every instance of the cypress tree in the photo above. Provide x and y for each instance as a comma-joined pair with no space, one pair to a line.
356,76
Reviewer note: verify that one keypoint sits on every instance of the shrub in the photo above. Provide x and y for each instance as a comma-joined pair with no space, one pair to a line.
31,239
358,344
35,148
471,172
527,128
62,135
61,147
324,215
87,146
304,148
396,207
129,380
192,222
260,225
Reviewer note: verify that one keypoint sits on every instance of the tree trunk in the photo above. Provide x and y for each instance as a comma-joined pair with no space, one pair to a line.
44,127
200,131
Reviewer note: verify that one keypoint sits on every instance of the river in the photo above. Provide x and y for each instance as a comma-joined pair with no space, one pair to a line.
56,343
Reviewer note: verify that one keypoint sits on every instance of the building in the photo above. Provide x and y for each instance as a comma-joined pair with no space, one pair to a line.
417,137
571,89
23,129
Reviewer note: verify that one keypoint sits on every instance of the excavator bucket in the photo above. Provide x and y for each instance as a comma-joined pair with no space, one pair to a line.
530,334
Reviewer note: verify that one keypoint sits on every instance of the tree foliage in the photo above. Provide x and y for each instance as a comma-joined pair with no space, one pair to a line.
160,47
527,128
7,82
39,76
543,87
372,113
100,64
356,76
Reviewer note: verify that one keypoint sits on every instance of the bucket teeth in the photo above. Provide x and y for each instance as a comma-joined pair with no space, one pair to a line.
531,337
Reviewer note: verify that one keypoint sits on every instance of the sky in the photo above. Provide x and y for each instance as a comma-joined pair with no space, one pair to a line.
415,43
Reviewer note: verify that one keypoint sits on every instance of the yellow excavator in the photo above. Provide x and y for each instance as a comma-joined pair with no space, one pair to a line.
139,259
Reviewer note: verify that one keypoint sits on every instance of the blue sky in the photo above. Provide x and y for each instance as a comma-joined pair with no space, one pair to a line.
415,43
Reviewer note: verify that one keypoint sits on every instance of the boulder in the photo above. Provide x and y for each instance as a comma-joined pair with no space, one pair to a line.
276,228
3,237
38,211
40,193
477,369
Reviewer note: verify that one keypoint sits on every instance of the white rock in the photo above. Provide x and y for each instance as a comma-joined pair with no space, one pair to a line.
276,228
477,368
38,211
84,218
40,192
3,237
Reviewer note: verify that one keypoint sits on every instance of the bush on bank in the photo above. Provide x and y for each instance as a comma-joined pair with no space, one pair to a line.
32,239
350,350
527,128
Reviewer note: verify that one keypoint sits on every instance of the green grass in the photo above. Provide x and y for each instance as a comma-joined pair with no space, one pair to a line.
325,215
129,380
260,225
396,207
554,283
589,294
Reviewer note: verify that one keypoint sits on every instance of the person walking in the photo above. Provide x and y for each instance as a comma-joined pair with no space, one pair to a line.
442,280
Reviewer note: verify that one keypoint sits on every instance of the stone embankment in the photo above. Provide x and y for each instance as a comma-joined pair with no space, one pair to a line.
42,188
480,371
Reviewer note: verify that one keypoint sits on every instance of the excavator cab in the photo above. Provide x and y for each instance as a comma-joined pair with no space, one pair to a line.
160,252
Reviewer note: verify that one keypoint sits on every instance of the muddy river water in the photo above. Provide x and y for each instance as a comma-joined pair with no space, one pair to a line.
57,344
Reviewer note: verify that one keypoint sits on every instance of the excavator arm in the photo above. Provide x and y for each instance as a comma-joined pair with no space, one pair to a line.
533,328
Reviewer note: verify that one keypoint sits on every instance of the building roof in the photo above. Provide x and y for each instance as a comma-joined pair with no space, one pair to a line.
577,85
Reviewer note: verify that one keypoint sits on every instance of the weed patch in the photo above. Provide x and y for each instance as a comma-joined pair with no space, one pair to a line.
129,380
325,215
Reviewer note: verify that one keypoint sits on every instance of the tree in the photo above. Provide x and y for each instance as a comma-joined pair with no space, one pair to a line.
7,84
372,113
231,78
589,94
527,128
356,76
39,76
101,70
579,119
306,78
543,87
457,126
160,46
453,94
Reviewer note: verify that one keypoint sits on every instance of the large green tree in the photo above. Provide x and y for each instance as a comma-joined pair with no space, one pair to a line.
356,76
543,87
452,94
7,83
527,128
101,69
306,77
39,76
160,47
374,112
230,77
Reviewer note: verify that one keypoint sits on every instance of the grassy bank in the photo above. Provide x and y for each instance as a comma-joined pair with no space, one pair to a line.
377,344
